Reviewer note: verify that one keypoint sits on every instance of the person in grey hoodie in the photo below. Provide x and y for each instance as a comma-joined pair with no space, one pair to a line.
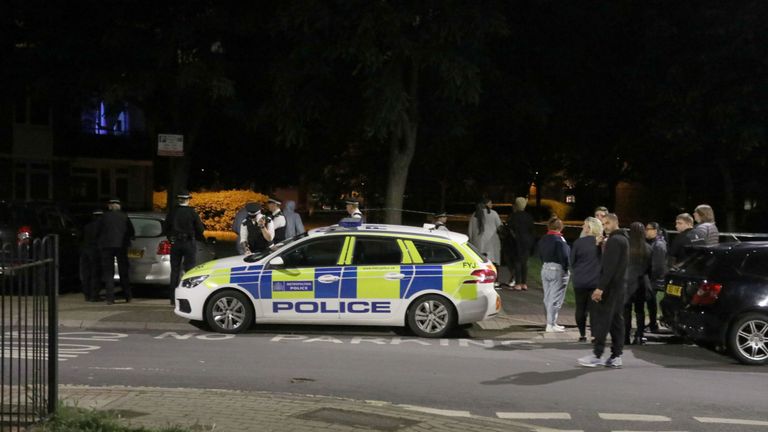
585,270
293,224
706,228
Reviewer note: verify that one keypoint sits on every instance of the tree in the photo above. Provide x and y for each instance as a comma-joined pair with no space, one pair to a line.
385,49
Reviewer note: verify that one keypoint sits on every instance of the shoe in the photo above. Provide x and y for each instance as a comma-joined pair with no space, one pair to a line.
518,288
559,327
591,361
582,338
128,299
639,340
614,362
525,287
496,284
553,329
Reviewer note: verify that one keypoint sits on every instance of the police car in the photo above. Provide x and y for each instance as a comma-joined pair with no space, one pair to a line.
362,274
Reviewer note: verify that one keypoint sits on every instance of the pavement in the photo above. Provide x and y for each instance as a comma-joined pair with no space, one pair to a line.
212,410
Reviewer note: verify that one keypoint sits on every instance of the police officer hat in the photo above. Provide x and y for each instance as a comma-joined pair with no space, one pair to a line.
184,195
274,201
114,201
352,202
443,214
252,208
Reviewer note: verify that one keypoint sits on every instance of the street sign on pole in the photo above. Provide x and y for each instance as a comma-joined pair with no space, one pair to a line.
170,145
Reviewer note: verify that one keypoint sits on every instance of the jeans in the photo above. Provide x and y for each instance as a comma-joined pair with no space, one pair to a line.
554,281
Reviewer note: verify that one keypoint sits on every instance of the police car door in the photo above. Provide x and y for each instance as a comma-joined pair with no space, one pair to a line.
306,287
373,285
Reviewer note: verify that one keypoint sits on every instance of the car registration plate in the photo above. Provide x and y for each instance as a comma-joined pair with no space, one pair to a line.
135,253
674,290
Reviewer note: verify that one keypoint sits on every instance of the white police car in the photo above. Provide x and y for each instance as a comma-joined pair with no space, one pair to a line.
384,275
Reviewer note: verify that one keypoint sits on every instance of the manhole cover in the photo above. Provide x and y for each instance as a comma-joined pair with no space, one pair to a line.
358,418
301,380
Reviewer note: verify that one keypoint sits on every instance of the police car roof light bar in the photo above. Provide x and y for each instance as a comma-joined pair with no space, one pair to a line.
351,223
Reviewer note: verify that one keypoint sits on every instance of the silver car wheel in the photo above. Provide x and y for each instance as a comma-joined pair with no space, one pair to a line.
751,339
229,313
431,316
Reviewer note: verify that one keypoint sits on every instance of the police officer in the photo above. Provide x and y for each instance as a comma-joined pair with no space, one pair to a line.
257,230
278,219
353,209
183,227
440,220
115,235
90,261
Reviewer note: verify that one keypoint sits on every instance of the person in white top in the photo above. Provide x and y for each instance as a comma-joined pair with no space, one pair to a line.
483,231
440,220
257,230
353,209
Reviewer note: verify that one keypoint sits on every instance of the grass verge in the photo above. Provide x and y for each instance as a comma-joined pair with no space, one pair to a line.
72,419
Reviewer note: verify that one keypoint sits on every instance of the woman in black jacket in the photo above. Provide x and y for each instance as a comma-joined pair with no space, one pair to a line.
585,270
521,225
637,282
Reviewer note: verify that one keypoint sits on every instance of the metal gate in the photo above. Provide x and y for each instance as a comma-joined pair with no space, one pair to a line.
29,280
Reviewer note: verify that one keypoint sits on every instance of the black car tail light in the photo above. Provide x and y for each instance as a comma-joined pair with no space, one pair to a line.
24,235
707,293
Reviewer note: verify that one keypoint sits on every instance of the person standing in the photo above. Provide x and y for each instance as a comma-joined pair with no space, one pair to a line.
353,209
608,298
521,224
637,282
278,219
257,230
655,237
240,216
483,231
585,270
686,236
183,228
440,220
554,253
293,224
115,234
600,213
90,261
706,228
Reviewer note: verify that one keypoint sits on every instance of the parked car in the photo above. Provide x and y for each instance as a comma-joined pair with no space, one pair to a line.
719,297
22,222
149,254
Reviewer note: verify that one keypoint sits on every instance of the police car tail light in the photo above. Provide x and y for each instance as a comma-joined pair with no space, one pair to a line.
484,276
164,248
707,294
23,235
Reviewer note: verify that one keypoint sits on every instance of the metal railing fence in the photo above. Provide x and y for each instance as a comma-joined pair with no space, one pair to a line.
29,280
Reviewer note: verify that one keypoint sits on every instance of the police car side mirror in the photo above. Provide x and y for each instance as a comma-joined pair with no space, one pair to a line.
276,262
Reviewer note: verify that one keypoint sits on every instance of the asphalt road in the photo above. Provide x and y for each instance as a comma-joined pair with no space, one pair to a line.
661,387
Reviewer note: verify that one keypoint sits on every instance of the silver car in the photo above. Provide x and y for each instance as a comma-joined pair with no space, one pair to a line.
149,254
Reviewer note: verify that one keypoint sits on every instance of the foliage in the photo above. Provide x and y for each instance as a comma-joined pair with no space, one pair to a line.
216,209
71,419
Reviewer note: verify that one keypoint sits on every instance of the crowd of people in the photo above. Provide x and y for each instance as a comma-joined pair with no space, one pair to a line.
615,272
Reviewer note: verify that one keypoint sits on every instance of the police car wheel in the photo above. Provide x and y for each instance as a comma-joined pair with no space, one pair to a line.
431,316
229,312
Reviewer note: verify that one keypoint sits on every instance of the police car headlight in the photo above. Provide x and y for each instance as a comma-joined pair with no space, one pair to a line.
193,281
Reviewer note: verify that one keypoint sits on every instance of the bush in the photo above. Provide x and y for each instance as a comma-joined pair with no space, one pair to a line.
71,419
216,209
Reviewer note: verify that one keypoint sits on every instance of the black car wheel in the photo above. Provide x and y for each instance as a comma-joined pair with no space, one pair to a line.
431,316
748,339
229,312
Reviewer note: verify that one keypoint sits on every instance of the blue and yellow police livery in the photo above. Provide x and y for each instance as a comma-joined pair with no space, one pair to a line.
386,275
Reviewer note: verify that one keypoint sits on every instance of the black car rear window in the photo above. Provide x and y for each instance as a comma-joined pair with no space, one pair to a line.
756,263
709,263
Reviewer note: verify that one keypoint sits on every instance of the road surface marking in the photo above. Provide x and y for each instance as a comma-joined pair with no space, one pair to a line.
111,368
731,421
634,417
533,415
448,413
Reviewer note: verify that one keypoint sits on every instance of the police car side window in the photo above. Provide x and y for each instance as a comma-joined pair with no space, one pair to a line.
315,253
377,251
434,253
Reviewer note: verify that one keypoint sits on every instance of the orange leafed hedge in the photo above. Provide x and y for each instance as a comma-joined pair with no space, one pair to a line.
216,209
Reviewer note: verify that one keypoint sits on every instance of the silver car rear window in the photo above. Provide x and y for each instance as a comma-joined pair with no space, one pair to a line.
146,227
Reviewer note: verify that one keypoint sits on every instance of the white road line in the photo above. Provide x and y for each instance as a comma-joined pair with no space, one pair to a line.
634,417
447,413
731,421
111,368
533,415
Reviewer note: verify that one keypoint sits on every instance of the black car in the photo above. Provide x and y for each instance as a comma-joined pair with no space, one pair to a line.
21,222
719,297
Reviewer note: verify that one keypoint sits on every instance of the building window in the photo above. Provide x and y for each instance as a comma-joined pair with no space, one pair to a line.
106,121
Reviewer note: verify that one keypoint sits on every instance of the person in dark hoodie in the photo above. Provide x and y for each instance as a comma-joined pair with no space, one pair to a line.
655,236
293,224
554,253
115,234
90,260
637,282
585,270
608,298
686,236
